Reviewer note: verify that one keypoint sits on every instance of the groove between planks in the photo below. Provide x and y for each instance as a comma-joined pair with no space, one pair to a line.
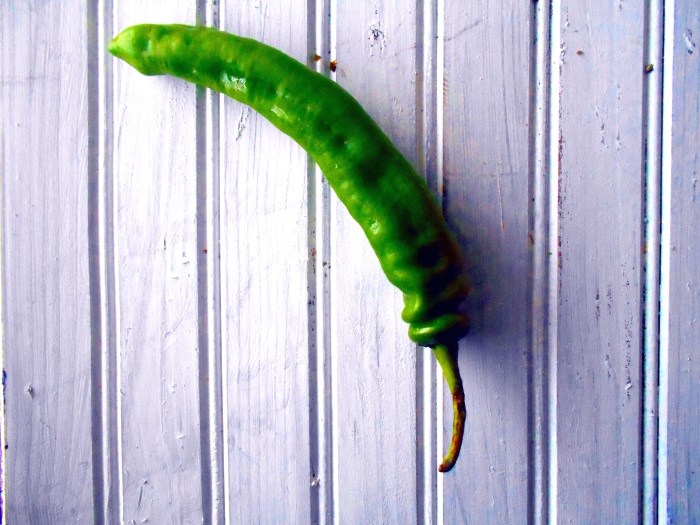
652,156
106,412
542,177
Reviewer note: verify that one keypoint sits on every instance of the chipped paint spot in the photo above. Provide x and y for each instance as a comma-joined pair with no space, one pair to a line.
245,113
689,42
376,37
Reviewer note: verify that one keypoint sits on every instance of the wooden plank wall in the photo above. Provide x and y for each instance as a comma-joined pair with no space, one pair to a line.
195,330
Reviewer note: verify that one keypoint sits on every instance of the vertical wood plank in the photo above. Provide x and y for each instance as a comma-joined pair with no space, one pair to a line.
601,189
680,339
375,361
486,87
45,279
155,230
264,254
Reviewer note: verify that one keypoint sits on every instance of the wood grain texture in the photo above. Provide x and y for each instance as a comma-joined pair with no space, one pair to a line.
270,379
155,232
45,281
486,177
264,250
681,374
375,359
601,191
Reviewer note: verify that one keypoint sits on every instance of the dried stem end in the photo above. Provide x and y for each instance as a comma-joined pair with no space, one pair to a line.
446,355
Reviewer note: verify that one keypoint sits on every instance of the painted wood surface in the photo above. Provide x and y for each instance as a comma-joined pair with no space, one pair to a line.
485,176
598,315
194,329
156,282
375,362
679,499
47,460
264,302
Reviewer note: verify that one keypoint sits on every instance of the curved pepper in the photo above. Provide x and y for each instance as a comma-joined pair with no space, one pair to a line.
381,190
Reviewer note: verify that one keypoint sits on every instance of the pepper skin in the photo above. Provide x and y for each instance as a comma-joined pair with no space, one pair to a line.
381,190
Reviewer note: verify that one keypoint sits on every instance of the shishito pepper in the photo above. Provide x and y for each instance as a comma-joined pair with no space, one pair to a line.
379,187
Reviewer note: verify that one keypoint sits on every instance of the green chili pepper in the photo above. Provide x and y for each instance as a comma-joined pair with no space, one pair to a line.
379,187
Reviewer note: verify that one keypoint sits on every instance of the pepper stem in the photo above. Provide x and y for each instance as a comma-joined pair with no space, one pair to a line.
446,355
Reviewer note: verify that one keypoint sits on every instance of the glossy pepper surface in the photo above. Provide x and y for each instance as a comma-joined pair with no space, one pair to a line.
381,190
